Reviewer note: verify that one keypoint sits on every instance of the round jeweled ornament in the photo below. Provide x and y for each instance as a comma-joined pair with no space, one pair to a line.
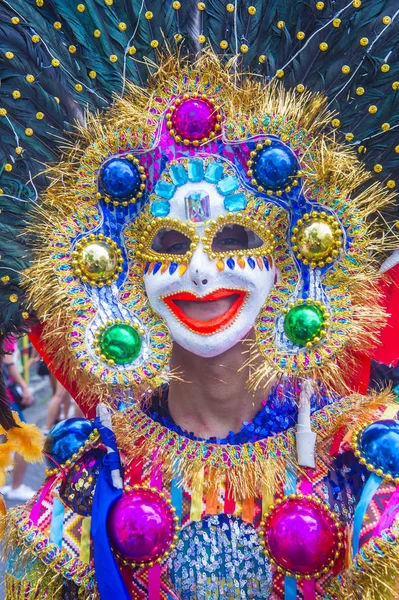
302,536
273,166
377,446
65,439
193,119
121,180
305,322
142,526
119,342
316,239
97,260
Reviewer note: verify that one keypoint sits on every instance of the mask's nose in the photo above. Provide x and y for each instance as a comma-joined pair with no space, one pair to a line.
197,279
198,269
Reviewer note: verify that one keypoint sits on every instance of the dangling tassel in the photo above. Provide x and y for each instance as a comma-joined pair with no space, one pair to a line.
196,495
290,588
108,490
177,494
248,509
389,514
290,486
229,501
305,443
305,437
154,572
371,487
212,492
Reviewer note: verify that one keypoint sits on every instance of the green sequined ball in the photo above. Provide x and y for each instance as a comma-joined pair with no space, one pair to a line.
120,343
303,323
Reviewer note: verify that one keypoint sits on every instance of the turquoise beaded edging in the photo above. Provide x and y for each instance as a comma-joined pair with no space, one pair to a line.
195,170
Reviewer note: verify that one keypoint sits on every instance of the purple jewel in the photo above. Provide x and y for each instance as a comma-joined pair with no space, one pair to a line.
140,525
194,119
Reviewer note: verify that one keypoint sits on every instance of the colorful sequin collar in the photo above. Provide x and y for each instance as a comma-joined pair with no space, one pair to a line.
252,466
278,413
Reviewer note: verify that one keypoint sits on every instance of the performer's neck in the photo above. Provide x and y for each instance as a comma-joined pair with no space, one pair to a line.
212,398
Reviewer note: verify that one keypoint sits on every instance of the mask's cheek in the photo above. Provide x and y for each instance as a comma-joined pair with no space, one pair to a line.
256,282
259,284
159,285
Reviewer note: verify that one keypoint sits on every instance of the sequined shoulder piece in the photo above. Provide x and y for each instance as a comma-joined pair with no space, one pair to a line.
40,553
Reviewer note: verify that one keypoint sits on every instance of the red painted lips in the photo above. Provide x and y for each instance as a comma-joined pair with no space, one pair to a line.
215,324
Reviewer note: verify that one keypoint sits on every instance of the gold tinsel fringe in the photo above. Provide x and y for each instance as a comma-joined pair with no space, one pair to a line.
27,577
374,574
141,438
38,586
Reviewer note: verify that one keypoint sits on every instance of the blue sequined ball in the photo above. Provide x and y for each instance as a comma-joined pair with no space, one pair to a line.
65,439
275,166
120,179
379,445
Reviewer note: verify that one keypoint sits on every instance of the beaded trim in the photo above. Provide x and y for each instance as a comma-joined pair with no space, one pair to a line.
55,559
78,263
139,193
265,233
336,231
99,333
252,163
144,247
116,144
324,311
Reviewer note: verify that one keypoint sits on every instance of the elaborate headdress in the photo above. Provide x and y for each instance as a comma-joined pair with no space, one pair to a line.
85,193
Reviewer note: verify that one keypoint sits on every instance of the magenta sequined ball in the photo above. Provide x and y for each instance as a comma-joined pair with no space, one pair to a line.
140,526
301,536
194,119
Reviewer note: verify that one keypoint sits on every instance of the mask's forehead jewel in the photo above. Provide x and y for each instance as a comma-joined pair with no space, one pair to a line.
198,189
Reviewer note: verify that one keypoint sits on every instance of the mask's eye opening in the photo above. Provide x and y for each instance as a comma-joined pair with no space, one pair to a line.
171,241
234,237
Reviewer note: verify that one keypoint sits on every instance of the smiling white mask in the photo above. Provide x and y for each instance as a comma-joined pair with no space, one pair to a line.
210,269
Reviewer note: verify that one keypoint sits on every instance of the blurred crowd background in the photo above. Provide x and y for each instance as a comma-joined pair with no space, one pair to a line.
37,397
